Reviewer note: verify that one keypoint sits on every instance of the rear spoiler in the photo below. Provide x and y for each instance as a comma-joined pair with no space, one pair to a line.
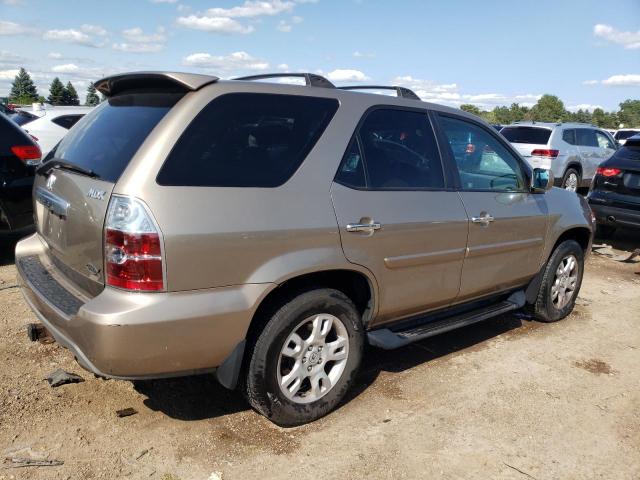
172,81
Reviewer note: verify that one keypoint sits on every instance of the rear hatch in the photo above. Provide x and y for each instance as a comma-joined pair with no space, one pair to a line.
530,142
73,186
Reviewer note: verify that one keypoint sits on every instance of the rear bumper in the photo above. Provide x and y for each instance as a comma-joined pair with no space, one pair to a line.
616,216
128,335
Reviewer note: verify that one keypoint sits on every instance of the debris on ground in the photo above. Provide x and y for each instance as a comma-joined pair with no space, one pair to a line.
126,412
630,258
31,462
61,377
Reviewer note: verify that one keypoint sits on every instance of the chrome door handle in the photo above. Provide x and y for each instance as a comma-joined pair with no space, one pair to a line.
363,227
484,219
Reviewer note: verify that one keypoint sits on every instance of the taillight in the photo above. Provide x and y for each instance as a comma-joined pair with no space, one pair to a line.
608,172
543,152
132,247
29,154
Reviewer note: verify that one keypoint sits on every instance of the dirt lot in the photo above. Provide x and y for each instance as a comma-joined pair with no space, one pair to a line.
510,398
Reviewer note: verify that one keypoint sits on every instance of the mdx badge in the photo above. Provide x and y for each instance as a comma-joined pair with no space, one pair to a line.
96,194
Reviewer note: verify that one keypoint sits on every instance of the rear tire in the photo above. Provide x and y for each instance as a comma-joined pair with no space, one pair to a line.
306,358
561,283
571,180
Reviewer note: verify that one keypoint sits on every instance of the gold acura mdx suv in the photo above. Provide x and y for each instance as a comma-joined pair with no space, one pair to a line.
266,232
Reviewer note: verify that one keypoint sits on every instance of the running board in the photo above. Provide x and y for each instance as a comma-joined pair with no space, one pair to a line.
390,339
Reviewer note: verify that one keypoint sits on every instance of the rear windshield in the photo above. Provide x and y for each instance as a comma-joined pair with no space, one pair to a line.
623,135
538,136
22,118
247,140
105,140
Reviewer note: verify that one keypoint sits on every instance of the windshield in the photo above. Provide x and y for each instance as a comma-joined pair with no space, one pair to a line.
105,140
534,135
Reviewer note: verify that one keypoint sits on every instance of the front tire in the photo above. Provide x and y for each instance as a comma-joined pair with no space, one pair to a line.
560,283
306,358
571,180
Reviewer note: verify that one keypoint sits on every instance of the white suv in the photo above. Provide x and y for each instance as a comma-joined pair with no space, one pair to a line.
572,151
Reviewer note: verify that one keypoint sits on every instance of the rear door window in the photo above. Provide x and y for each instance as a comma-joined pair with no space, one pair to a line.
532,135
399,150
586,137
247,140
112,133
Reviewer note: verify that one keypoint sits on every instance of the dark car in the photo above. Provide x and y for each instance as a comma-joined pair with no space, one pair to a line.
19,156
615,192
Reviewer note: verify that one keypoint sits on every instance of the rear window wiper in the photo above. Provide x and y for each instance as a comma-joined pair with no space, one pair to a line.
46,168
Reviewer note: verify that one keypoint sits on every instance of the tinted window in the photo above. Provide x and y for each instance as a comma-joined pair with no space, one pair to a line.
109,136
66,121
539,136
569,136
482,161
22,118
623,135
400,151
604,141
351,171
247,140
585,137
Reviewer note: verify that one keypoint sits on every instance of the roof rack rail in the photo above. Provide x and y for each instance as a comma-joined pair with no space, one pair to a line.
402,92
311,79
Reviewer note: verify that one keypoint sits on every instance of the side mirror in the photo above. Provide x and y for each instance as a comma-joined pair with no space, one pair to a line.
541,180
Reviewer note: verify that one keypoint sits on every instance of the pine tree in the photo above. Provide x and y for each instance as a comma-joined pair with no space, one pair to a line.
56,92
23,90
70,96
92,97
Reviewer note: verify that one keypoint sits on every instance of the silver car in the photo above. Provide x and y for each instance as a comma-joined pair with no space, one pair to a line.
267,232
572,151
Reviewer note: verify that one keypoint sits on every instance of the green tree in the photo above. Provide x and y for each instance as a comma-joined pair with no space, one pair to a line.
70,96
56,92
92,97
598,117
518,113
502,115
467,107
548,109
629,113
23,90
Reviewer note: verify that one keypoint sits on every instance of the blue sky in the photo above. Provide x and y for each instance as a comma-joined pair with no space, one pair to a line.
455,51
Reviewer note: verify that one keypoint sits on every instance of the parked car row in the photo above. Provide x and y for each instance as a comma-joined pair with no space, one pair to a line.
268,231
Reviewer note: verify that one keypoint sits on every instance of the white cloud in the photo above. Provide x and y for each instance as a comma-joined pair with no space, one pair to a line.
55,55
236,61
163,1
223,25
138,47
12,28
584,106
358,54
8,74
283,66
70,36
296,19
284,26
629,40
93,29
252,8
10,59
137,35
346,75
66,68
13,2
590,82
630,80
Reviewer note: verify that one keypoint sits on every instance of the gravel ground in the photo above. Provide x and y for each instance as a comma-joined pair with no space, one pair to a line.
510,398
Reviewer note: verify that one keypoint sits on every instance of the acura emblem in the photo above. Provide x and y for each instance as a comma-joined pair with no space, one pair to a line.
96,194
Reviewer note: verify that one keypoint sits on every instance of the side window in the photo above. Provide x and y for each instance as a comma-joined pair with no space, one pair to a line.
66,121
586,137
482,161
604,141
400,151
569,136
351,172
247,140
